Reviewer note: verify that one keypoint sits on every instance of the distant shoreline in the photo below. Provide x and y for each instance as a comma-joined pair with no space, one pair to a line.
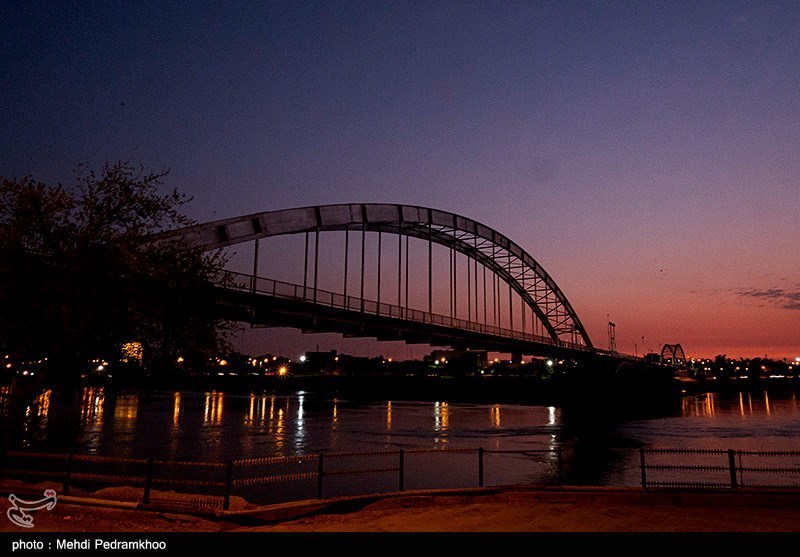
475,389
471,389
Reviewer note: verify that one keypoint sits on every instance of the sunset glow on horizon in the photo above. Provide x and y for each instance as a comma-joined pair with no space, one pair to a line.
646,154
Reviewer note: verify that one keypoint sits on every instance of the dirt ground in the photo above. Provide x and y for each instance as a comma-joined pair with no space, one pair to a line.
506,511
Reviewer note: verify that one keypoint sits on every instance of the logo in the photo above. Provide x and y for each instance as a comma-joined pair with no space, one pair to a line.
17,514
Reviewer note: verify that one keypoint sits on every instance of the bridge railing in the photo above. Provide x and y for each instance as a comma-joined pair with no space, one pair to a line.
286,290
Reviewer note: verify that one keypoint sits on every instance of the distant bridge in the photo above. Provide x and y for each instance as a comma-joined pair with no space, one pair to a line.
673,354
533,317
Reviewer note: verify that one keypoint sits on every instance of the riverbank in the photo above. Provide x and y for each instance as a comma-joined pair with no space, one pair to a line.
478,389
662,390
515,509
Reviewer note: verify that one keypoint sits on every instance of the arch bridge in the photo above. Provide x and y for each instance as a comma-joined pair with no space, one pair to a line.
518,309
673,354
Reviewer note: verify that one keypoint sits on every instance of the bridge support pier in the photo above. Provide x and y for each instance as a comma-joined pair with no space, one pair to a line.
516,357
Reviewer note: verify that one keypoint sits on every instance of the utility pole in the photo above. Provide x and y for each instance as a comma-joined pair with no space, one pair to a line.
612,337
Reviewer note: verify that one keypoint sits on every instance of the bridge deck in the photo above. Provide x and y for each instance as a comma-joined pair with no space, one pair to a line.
268,302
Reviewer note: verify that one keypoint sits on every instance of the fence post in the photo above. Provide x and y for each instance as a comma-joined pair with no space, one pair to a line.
402,470
148,481
67,473
320,473
480,467
732,465
560,463
226,501
741,471
644,468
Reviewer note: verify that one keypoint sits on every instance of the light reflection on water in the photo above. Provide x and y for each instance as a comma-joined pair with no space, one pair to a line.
494,415
215,426
256,415
280,432
757,420
126,410
176,410
441,421
299,438
92,408
214,407
37,415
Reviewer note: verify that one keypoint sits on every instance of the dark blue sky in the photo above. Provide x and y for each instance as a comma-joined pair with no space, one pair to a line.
647,153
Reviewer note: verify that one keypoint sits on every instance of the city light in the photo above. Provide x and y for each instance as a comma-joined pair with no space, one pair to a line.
282,371
549,363
223,362
131,352
302,358
180,359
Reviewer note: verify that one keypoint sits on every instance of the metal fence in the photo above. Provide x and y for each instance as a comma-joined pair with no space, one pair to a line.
118,478
213,485
719,469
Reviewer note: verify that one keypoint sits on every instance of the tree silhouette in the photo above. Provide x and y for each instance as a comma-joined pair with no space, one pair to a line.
77,280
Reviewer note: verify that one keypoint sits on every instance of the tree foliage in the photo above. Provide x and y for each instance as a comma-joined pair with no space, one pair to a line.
77,278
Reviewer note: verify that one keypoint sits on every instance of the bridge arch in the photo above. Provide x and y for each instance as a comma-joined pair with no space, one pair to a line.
498,253
673,353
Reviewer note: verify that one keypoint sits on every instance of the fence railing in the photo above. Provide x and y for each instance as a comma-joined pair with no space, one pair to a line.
719,468
212,485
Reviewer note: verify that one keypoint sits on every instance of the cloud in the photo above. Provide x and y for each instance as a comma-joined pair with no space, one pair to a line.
769,293
787,299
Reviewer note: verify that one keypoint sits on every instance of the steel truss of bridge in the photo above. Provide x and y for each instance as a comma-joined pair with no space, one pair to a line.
263,301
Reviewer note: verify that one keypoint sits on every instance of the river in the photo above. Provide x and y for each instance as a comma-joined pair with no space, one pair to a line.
217,426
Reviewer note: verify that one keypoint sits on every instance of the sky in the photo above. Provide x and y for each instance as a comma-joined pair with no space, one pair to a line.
647,154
